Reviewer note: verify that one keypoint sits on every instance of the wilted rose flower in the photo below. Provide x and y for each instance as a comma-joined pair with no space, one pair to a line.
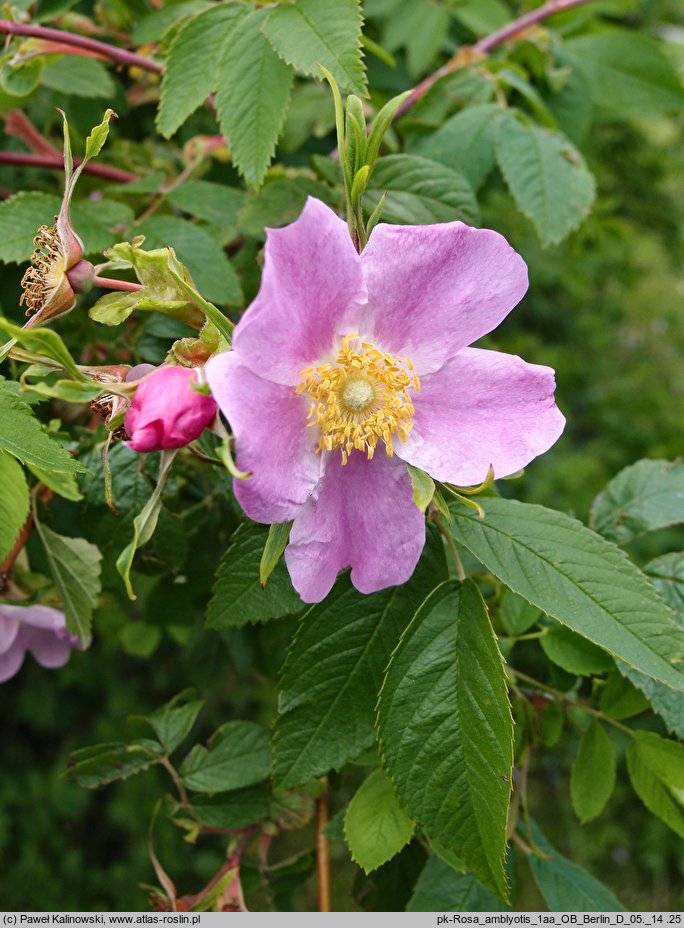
347,366
38,629
166,412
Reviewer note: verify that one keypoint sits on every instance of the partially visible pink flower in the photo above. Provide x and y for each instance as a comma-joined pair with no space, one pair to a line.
166,412
347,366
38,629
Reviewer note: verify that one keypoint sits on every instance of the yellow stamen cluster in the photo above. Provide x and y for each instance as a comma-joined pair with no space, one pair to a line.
360,399
48,266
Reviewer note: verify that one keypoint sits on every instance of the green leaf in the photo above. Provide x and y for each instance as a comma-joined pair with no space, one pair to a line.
466,142
252,96
80,76
75,568
238,755
420,191
95,141
217,204
666,573
546,175
446,732
375,826
573,653
102,764
423,487
190,74
173,722
620,699
565,886
276,541
592,778
209,266
667,703
577,577
440,888
516,614
279,201
14,503
642,498
334,670
47,343
656,768
144,524
238,809
238,596
626,73
482,16
309,33
63,484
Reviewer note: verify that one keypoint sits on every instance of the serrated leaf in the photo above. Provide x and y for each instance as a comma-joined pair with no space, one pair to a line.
75,568
217,204
190,74
592,777
279,201
667,703
420,191
666,573
446,732
334,670
253,92
620,699
173,722
79,76
23,436
237,809
656,767
440,888
565,886
465,142
309,33
546,175
516,614
212,272
376,827
238,597
238,755
574,653
626,73
574,575
14,503
102,764
642,498
63,484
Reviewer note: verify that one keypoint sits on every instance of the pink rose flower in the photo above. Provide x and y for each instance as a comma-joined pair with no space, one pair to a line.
37,629
166,412
347,366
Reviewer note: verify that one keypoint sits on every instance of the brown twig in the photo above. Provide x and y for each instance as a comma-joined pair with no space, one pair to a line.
112,52
104,171
469,54
322,854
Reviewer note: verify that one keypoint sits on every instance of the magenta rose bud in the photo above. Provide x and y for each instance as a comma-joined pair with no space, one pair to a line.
167,412
38,629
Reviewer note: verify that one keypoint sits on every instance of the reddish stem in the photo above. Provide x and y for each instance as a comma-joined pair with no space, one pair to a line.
20,126
483,47
322,854
112,52
25,159
109,283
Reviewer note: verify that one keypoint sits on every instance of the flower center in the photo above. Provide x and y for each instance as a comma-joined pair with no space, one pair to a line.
47,269
361,399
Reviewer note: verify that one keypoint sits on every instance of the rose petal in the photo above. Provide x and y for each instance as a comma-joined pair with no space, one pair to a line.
274,445
12,659
8,630
482,408
49,649
311,285
38,616
433,290
361,515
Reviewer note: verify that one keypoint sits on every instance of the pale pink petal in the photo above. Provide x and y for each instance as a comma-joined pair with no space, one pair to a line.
38,616
361,515
311,284
12,659
482,408
50,649
274,445
8,630
433,290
